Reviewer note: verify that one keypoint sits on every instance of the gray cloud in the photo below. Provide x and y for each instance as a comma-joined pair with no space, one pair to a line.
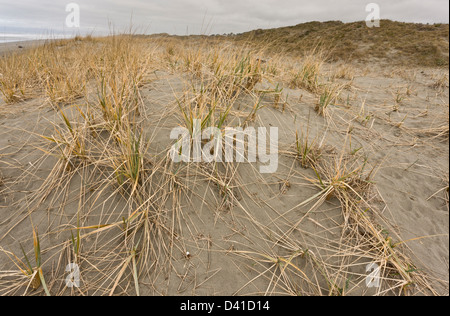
207,16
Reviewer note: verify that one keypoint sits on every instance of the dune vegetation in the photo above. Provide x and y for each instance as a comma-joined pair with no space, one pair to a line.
86,177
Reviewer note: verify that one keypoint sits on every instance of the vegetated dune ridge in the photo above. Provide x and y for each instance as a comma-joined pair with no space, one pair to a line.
86,176
393,42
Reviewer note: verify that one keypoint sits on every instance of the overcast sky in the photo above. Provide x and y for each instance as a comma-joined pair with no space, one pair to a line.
206,16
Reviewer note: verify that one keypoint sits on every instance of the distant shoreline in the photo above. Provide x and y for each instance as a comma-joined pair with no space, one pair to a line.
8,47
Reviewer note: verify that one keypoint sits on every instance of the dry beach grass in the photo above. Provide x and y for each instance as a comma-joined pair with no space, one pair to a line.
86,176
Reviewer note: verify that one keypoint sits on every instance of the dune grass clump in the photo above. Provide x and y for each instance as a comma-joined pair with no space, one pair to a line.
206,105
70,140
63,71
307,152
33,273
329,94
240,72
16,77
248,73
344,71
350,182
308,77
343,175
129,162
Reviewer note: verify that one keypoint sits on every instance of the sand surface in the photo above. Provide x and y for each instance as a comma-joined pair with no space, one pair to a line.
17,46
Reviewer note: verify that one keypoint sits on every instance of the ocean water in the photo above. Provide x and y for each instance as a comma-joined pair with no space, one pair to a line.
9,37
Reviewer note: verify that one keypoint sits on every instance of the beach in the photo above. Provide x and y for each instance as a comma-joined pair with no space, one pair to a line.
15,46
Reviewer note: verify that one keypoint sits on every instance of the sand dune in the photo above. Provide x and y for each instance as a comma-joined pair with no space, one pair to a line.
84,169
